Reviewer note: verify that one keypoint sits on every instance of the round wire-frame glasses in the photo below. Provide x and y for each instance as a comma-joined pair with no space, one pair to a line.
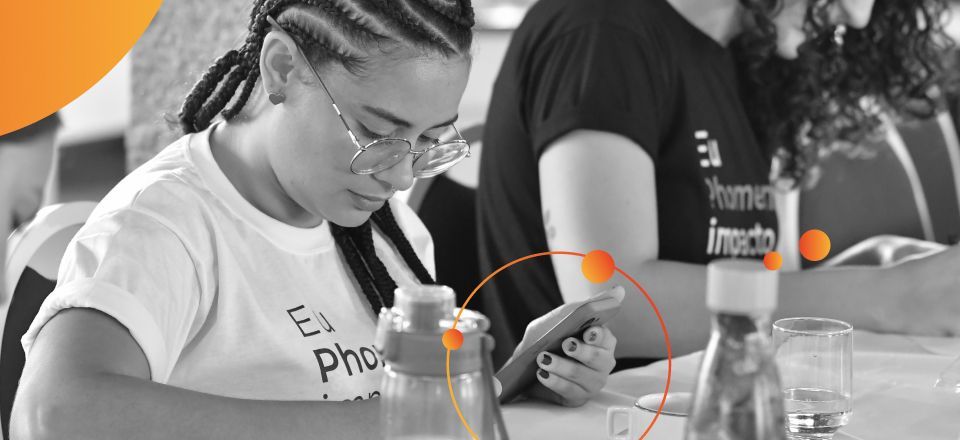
381,154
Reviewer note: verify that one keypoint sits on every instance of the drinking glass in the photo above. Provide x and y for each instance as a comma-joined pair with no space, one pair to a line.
950,377
815,358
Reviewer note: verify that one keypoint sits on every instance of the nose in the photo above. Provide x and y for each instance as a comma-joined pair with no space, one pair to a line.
854,13
399,176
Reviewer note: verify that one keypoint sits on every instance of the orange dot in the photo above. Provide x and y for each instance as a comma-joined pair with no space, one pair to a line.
597,266
773,260
452,339
814,245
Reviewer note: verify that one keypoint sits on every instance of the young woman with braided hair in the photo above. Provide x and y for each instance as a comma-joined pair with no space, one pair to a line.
216,291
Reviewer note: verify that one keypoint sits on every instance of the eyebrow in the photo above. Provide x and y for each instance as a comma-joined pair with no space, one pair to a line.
394,119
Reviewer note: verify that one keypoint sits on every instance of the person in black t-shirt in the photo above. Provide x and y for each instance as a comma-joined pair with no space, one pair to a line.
648,129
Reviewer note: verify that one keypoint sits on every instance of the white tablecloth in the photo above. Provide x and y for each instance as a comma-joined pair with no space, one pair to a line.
893,399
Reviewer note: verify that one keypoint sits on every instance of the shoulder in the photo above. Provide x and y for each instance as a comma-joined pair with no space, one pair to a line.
552,21
570,38
165,190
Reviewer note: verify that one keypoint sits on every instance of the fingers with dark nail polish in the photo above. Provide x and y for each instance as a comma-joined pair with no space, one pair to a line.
546,359
592,336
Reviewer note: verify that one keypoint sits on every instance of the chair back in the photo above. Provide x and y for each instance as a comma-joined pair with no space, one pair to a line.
33,256
911,188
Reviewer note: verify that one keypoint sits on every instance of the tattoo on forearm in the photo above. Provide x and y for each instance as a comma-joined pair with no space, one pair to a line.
547,226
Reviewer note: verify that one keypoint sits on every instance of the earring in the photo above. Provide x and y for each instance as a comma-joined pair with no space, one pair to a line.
276,97
838,34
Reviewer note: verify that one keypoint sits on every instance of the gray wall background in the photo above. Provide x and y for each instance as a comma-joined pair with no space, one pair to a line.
185,37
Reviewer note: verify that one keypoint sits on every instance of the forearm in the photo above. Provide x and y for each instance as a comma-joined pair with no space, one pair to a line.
677,289
108,406
862,296
598,191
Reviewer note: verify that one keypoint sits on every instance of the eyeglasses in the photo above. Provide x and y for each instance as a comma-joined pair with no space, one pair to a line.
384,153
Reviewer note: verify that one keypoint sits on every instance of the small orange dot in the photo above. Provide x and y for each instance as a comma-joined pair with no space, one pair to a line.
814,245
773,260
597,266
452,339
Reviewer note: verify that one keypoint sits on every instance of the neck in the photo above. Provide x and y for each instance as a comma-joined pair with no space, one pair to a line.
718,19
240,150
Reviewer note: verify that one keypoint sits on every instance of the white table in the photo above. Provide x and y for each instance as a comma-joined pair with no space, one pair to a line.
893,392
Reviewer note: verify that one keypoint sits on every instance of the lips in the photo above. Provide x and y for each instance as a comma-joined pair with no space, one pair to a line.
368,202
373,198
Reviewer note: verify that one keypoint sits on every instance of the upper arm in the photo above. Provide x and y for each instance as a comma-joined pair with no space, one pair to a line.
597,191
139,275
71,350
595,118
79,342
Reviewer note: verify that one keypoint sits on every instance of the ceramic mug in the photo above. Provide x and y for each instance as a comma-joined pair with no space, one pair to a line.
625,423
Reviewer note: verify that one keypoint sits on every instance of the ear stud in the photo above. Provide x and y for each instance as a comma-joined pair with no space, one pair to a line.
276,98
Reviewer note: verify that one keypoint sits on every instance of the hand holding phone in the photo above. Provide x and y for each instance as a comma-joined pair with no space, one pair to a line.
548,332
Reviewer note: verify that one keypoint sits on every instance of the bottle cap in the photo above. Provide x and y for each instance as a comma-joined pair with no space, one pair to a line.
409,335
741,287
423,307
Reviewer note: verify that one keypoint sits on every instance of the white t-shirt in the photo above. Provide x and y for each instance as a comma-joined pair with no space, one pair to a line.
222,298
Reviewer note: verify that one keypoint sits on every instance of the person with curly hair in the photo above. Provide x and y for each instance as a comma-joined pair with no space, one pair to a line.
649,129
229,288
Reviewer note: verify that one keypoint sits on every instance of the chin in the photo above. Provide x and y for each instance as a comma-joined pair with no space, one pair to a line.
788,46
789,53
351,218
789,49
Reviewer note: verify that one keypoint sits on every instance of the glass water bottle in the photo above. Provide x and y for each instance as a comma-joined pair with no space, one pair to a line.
737,395
416,402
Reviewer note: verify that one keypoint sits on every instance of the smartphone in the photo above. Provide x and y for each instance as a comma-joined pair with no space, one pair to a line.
520,371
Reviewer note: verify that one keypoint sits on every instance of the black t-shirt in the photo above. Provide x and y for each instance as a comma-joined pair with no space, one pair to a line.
638,69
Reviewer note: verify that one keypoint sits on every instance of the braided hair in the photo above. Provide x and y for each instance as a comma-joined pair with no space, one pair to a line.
344,31
348,32
356,244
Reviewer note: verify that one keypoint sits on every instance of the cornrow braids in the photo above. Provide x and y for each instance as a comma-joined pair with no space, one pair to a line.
381,276
234,68
341,31
308,29
457,11
348,241
332,30
423,22
249,68
204,88
387,223
371,274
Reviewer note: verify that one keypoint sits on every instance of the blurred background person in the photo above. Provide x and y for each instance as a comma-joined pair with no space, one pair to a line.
648,129
26,158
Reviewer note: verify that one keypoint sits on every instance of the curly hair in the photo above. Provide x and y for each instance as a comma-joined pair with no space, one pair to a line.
833,95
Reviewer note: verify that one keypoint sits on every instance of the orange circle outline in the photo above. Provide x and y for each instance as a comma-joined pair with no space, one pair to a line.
663,326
